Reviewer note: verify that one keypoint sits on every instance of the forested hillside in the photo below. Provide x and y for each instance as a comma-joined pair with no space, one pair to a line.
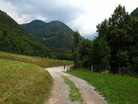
56,35
115,49
13,38
135,13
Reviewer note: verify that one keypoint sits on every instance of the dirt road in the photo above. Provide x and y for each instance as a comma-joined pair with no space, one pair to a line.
60,92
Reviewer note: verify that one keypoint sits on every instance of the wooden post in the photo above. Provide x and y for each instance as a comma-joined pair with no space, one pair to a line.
119,71
91,67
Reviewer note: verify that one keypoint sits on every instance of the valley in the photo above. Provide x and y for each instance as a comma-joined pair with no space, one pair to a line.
32,56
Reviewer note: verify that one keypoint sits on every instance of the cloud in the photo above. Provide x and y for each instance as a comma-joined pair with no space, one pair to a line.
81,15
52,9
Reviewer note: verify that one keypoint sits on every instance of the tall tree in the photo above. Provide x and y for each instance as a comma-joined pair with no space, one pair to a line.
121,33
118,16
118,38
76,55
85,52
100,55
103,28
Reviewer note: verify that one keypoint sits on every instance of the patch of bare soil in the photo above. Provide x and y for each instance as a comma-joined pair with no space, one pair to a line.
60,92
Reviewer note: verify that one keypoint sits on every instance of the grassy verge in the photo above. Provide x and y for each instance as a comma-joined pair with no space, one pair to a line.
74,92
43,62
23,83
116,89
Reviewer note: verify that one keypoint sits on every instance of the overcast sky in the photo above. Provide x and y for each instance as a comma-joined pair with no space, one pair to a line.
81,15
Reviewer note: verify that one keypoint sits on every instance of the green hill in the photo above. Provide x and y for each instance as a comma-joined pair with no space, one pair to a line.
55,35
135,13
34,27
13,38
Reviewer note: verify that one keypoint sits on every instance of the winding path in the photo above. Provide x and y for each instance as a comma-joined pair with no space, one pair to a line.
60,92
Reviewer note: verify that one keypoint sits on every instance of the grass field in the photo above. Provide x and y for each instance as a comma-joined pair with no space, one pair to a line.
22,83
116,89
23,80
43,62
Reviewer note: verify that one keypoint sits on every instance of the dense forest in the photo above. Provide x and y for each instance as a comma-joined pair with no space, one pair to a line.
14,39
114,50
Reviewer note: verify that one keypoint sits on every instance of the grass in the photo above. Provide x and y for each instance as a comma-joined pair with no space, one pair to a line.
116,89
74,91
23,80
23,83
43,62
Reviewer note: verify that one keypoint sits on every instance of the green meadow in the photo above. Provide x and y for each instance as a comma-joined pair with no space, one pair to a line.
43,62
22,83
23,79
115,88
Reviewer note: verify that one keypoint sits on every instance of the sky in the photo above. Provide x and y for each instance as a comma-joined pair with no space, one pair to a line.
79,15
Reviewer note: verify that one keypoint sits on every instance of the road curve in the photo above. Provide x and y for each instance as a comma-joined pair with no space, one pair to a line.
60,92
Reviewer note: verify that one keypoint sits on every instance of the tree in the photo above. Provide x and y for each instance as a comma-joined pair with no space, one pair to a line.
77,39
118,16
103,28
76,55
122,40
100,55
121,34
85,52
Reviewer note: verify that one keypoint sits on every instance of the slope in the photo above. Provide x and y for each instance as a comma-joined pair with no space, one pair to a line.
13,38
135,13
23,83
56,35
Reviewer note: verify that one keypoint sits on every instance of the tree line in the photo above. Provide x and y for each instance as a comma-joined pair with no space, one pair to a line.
114,50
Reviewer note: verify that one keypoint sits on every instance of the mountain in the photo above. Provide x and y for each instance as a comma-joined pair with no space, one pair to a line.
55,35
35,27
90,37
135,13
13,38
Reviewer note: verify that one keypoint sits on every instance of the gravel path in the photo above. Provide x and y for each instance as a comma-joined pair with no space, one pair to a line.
60,92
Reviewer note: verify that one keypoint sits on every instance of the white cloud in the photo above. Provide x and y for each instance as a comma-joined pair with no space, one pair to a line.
81,15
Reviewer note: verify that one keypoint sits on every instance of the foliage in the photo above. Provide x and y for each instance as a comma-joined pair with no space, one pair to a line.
100,55
61,43
115,88
120,32
76,47
13,38
115,49
23,83
55,35
85,53
103,28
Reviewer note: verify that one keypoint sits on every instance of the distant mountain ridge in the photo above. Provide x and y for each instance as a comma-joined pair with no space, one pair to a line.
91,37
13,38
55,35
41,29
34,27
